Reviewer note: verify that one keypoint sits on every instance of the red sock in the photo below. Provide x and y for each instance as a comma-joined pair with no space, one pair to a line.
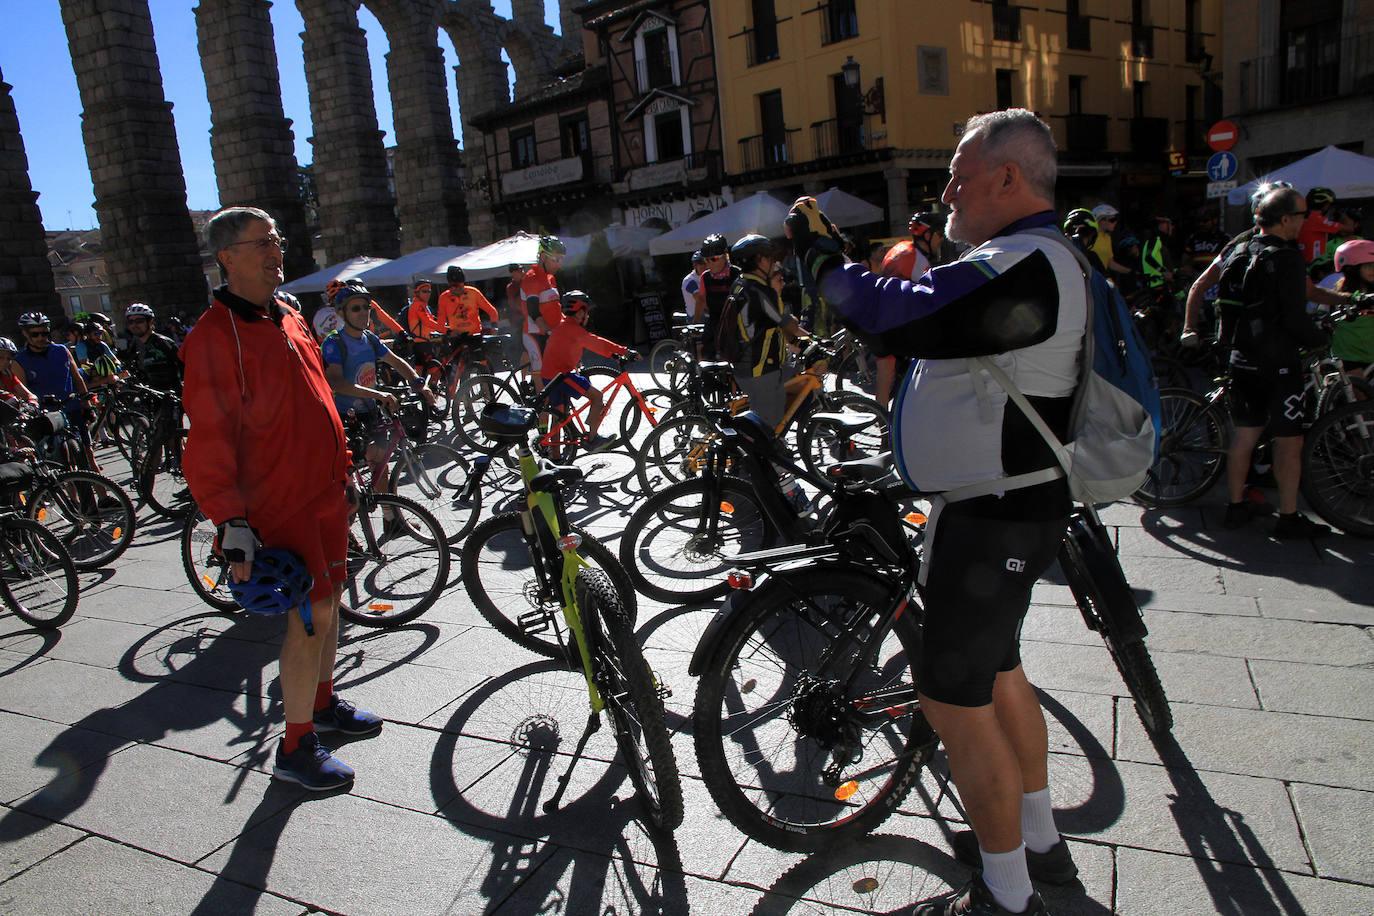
295,731
323,693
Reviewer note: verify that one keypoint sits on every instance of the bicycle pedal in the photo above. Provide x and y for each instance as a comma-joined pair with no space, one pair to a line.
663,690
533,623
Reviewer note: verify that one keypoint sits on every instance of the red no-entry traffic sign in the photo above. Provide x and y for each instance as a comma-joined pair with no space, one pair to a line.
1223,135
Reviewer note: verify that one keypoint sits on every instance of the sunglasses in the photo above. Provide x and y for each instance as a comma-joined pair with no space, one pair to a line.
39,333
358,308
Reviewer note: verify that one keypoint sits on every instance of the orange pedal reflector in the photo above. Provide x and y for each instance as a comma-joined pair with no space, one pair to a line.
377,607
846,791
727,507
748,686
866,885
209,583
916,518
43,515
117,533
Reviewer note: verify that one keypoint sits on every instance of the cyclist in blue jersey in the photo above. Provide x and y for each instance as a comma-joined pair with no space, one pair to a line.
351,354
49,370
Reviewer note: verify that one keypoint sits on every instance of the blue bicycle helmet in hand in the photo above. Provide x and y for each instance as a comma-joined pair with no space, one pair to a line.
279,582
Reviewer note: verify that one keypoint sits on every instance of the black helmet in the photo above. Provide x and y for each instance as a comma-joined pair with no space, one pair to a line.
926,223
574,301
750,247
714,245
455,274
698,257
1320,197
551,244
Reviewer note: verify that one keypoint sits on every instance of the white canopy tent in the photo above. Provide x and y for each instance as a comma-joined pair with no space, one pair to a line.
1348,174
844,209
624,241
759,213
400,271
316,282
489,260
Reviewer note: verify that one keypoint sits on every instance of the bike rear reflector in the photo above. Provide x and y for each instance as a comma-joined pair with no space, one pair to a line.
739,580
727,507
378,607
846,790
117,533
570,542
916,518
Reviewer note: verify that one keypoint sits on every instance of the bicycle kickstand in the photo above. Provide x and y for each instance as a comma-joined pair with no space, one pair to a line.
593,725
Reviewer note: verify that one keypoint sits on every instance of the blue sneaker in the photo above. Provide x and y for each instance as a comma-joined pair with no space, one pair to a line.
313,766
343,717
599,443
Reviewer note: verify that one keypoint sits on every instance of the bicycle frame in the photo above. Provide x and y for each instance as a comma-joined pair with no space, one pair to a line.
574,417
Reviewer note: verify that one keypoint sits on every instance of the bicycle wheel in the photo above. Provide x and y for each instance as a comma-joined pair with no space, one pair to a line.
857,371
1334,395
823,442
90,514
37,578
206,569
475,393
658,400
513,592
1338,468
398,560
661,358
678,546
160,481
436,476
1109,607
673,451
797,755
630,691
1192,450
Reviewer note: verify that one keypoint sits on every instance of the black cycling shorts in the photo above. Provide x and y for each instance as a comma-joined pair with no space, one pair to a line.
977,591
1272,399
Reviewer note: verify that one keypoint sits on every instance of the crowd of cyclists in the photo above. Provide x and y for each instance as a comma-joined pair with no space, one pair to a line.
1254,302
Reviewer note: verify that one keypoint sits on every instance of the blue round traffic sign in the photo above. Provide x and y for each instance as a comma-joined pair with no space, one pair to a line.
1221,167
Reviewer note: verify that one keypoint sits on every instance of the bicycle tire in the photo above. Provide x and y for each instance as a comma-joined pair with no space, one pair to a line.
98,535
160,482
808,810
630,691
660,357
37,577
1333,396
1338,468
408,578
650,552
1109,607
660,402
823,442
856,371
1192,450
672,452
436,476
508,589
206,570
473,395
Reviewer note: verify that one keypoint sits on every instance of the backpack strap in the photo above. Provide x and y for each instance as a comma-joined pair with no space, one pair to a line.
1061,453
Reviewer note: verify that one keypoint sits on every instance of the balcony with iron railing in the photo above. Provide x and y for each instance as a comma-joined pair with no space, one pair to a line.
1149,135
766,150
845,137
1086,133
760,45
1324,72
839,22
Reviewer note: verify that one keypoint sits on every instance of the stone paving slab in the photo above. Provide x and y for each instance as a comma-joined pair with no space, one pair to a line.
1157,884
1317,690
36,752
26,840
1314,584
1322,609
1338,824
98,876
1186,678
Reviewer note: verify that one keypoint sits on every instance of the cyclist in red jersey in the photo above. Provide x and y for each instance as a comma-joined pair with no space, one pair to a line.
542,302
1318,226
564,351
9,381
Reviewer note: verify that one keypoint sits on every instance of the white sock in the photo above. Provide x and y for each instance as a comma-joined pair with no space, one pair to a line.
1037,821
1006,876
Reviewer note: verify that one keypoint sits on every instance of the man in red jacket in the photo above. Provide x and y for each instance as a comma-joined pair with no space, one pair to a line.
266,460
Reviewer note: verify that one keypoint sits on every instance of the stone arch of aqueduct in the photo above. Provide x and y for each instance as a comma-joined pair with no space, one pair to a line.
151,250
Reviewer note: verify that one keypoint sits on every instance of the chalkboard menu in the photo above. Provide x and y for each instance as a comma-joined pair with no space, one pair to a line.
655,320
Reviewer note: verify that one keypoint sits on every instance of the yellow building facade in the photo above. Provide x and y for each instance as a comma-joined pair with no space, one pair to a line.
1121,82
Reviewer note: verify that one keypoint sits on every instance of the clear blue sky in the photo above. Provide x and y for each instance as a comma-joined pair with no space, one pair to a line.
36,62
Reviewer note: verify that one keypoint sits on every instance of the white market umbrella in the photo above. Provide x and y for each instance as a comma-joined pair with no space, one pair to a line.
1348,174
624,242
401,271
490,260
759,213
344,270
844,209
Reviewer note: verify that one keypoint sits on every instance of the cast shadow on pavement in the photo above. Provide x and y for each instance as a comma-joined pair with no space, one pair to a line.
36,653
501,756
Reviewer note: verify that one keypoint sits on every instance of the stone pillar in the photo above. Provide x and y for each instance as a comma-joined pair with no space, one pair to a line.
571,25
251,140
26,282
357,209
898,201
151,250
429,194
483,85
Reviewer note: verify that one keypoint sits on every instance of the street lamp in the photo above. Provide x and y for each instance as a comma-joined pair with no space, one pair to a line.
872,101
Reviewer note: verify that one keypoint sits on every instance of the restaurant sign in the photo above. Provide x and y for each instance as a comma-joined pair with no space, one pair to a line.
560,171
676,212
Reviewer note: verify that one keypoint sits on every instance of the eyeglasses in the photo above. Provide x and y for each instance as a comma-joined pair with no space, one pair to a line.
263,244
1302,213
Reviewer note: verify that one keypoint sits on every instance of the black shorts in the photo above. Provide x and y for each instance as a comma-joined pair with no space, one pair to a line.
1272,399
977,591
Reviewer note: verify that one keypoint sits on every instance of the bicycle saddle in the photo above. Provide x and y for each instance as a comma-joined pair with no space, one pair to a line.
554,477
507,423
713,366
861,470
847,422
